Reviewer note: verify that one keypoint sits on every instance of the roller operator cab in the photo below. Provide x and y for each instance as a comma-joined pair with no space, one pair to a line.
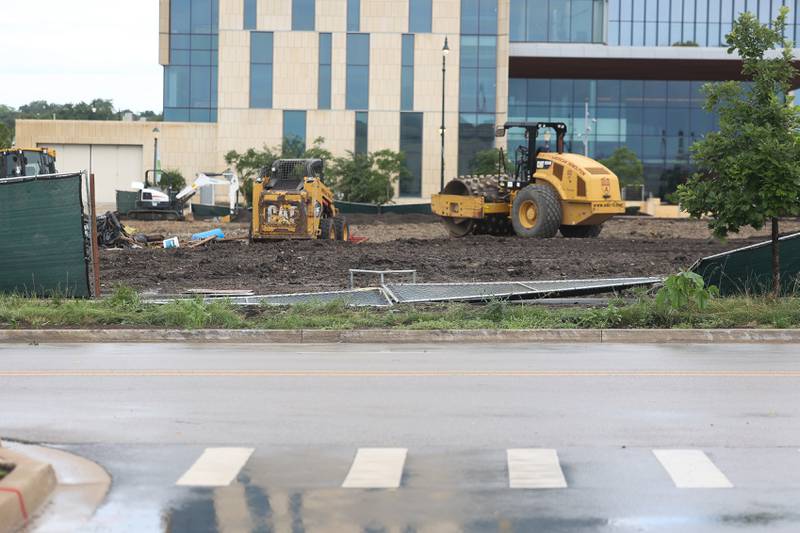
546,192
291,201
22,162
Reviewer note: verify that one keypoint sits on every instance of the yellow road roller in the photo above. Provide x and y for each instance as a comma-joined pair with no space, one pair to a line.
547,193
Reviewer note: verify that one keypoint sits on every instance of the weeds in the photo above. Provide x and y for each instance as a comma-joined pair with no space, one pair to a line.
125,309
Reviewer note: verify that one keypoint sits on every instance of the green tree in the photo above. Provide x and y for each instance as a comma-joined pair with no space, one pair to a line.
251,162
628,168
748,171
5,136
486,161
173,179
368,178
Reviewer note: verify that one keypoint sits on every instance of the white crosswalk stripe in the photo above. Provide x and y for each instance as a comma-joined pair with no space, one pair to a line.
692,469
376,468
530,468
216,467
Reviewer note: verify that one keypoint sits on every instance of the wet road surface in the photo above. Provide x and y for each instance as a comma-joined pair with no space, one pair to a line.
473,437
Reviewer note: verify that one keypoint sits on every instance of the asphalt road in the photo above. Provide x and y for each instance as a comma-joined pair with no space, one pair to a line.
479,437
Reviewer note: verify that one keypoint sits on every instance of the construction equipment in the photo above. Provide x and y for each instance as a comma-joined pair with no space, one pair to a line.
547,192
291,201
155,204
20,162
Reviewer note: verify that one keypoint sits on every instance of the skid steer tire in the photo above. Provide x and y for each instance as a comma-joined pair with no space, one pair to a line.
341,229
536,212
581,232
326,231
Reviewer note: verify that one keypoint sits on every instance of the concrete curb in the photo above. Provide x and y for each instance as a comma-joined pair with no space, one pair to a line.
642,336
24,490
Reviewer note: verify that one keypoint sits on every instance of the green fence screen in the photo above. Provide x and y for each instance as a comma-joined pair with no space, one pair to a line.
749,270
43,246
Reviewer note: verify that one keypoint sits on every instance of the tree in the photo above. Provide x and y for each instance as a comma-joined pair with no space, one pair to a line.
368,178
5,136
249,163
748,171
171,179
486,161
628,168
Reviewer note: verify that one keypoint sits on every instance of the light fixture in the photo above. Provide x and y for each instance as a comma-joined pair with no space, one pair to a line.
446,48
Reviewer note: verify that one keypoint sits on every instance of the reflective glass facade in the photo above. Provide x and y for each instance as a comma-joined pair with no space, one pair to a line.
407,74
303,15
294,126
362,132
190,80
688,22
659,120
250,14
324,86
411,146
357,96
353,15
420,13
558,21
261,49
478,86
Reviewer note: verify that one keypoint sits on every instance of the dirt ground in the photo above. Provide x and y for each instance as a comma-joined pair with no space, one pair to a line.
628,247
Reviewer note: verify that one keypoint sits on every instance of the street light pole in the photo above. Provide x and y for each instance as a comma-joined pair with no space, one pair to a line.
156,131
445,51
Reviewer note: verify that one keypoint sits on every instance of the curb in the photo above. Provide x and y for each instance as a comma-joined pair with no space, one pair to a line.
24,490
639,336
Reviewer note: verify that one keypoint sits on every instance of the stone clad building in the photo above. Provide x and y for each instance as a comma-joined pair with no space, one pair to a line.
367,75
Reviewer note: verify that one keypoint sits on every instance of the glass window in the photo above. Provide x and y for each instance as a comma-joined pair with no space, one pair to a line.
250,14
419,16
407,74
517,20
411,147
536,23
362,132
324,87
201,16
469,17
353,15
581,15
176,86
180,16
303,15
294,126
487,14
357,96
559,14
261,48
469,51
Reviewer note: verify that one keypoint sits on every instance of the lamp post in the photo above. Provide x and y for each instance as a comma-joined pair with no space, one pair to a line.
156,131
445,51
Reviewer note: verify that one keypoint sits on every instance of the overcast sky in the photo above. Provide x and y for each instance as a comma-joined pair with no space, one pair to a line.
72,50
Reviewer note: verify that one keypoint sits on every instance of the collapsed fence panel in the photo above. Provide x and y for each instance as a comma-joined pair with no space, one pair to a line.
44,245
748,270
476,292
371,297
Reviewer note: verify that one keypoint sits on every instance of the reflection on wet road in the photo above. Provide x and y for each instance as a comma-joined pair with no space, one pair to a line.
611,489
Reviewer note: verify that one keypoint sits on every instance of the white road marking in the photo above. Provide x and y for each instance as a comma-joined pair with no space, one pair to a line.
216,467
376,468
531,468
692,469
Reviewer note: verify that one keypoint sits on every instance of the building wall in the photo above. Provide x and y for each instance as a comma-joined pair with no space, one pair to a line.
190,148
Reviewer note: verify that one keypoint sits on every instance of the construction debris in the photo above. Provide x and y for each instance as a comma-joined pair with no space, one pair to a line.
112,234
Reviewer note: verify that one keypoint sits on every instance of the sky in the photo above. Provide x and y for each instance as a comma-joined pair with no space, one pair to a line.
65,51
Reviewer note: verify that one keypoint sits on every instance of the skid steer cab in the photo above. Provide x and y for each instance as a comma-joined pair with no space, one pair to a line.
24,162
546,192
291,201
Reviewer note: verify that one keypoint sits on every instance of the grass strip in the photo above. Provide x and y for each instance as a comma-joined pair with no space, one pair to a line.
125,309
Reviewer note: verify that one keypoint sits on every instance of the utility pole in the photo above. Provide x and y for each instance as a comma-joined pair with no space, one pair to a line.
587,128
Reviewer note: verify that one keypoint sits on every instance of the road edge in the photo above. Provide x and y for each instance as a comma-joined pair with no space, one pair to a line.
249,336
25,490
